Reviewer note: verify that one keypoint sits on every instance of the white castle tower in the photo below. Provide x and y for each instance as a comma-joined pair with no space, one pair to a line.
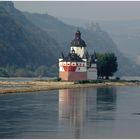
78,64
78,45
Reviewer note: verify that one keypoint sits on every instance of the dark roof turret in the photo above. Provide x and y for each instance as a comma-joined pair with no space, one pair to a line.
78,41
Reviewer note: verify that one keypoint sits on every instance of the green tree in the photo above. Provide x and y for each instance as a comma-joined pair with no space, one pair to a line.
3,72
41,71
107,65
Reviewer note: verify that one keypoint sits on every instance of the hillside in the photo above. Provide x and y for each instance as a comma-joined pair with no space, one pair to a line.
126,34
21,42
95,37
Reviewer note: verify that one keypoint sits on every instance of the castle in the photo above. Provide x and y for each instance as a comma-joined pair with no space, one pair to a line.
78,64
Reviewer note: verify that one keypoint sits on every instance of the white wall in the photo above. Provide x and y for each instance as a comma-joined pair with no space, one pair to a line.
92,72
79,50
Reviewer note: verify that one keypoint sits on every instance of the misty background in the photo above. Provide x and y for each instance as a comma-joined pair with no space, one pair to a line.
121,19
91,10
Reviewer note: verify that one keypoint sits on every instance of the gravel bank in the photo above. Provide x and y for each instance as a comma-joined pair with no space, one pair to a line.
18,87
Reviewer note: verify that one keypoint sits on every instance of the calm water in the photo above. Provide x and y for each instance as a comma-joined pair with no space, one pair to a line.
74,113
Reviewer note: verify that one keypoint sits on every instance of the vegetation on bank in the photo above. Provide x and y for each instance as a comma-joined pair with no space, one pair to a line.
29,71
105,81
107,65
89,82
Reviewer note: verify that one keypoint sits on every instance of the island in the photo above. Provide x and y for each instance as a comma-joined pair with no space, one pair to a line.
45,85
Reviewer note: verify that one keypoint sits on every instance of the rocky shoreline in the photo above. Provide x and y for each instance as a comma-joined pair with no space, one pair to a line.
34,86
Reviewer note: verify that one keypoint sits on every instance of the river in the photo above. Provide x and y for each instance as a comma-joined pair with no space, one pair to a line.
111,112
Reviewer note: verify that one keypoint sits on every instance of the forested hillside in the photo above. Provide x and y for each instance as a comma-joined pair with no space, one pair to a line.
22,44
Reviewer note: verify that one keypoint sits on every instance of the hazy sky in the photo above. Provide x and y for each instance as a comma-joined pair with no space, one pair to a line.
92,10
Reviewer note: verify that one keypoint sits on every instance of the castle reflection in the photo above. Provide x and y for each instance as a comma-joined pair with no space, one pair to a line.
81,107
72,109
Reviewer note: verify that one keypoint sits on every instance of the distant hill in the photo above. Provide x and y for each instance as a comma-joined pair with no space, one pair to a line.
126,34
95,37
21,42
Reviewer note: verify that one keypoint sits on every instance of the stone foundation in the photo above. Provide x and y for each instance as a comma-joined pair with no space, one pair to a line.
73,76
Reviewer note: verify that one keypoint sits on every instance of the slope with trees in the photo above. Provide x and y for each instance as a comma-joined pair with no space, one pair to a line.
22,43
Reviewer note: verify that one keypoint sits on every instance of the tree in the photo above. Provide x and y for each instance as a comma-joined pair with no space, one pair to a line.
3,72
42,71
107,65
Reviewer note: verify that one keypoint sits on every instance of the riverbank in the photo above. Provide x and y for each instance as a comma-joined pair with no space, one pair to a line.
33,86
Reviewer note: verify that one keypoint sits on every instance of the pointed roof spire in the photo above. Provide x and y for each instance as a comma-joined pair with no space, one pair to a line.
78,35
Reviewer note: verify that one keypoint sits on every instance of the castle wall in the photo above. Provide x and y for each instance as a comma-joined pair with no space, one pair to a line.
71,71
74,67
92,72
73,76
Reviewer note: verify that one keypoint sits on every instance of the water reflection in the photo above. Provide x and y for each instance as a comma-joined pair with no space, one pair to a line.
106,98
72,109
106,103
80,108
71,113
